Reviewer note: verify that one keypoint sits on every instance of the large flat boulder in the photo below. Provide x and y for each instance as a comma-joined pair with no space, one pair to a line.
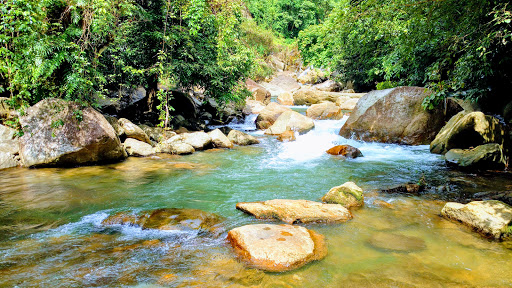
277,248
259,93
269,115
488,156
491,217
465,130
296,211
394,116
291,120
58,132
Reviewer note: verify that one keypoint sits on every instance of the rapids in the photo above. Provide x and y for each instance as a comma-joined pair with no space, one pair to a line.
51,233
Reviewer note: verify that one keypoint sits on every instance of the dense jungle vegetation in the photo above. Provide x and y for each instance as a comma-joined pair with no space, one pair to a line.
79,49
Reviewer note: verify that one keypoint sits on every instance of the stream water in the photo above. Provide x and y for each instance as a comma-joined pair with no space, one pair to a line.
51,233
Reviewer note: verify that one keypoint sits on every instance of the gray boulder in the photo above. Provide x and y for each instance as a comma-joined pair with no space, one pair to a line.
241,138
138,148
58,132
488,156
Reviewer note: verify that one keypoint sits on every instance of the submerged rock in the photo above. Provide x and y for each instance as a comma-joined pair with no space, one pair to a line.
241,138
55,135
277,248
291,120
170,219
325,110
269,115
488,156
396,242
133,131
345,151
491,217
394,116
296,211
466,130
408,188
348,195
138,148
220,140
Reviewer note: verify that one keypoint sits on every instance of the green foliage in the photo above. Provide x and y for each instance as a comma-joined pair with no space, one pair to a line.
289,17
386,85
76,49
455,48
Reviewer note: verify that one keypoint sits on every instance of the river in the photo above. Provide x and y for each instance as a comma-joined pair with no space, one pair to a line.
51,233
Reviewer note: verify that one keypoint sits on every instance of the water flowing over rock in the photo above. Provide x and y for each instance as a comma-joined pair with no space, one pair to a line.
170,219
259,93
253,107
55,136
345,151
348,195
291,120
285,98
393,116
491,217
466,130
9,148
133,131
220,140
241,138
269,115
138,148
488,156
277,248
296,211
396,242
199,140
325,110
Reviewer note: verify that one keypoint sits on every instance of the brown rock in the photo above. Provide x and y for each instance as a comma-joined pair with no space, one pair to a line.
286,136
259,93
346,151
269,115
290,120
296,211
325,110
277,248
285,98
328,86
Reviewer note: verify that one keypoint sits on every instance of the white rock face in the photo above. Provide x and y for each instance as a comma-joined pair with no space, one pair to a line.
198,140
291,120
219,139
489,217
277,248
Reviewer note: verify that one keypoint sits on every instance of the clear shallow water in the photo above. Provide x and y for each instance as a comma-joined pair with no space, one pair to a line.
51,233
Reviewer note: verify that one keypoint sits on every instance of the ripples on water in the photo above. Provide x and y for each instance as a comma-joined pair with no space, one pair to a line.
51,232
